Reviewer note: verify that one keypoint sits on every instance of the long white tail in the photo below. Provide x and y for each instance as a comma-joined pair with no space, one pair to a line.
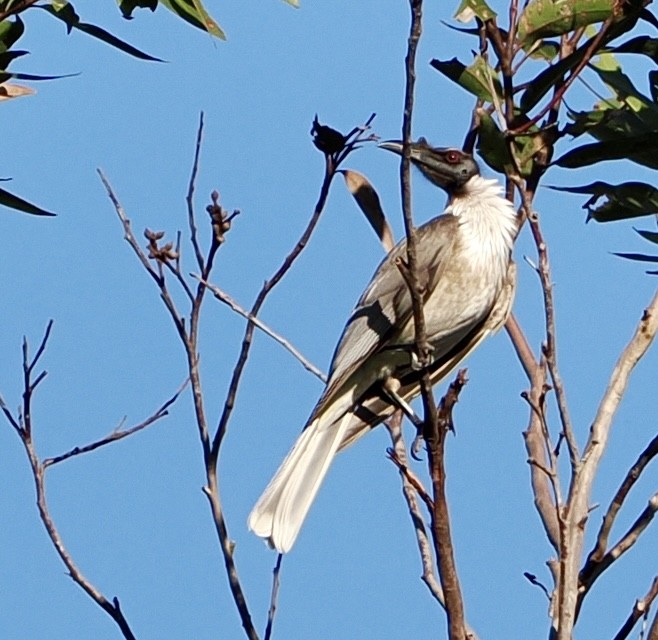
281,510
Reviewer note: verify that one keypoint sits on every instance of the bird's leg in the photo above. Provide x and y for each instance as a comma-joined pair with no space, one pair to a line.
391,386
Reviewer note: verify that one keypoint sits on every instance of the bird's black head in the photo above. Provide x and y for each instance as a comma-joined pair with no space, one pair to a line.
449,169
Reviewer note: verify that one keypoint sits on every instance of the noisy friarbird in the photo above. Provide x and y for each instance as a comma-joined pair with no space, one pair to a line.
468,277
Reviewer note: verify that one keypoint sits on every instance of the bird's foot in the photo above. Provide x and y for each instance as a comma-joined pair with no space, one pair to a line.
418,363
417,445
391,387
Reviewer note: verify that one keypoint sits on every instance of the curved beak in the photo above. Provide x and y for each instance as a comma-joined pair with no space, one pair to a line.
433,162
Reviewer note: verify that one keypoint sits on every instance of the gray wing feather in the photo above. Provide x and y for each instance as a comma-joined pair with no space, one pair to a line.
375,409
385,305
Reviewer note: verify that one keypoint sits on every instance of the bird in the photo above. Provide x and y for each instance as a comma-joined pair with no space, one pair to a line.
467,275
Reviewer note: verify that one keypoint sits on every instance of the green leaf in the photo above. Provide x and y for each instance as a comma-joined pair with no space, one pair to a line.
541,84
651,236
14,202
10,31
544,50
8,56
641,257
642,44
4,76
477,79
620,202
547,18
469,9
193,11
66,13
642,149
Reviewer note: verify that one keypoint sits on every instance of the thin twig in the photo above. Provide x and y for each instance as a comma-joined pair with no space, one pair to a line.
550,346
634,473
188,334
274,598
593,570
198,254
118,434
228,300
38,469
411,486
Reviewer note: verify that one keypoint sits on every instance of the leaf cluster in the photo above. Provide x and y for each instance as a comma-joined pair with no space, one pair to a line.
519,123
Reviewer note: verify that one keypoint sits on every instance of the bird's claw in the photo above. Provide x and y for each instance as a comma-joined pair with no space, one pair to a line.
416,363
417,445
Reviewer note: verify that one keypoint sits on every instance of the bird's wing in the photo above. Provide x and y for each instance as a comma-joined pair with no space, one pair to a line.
377,408
385,305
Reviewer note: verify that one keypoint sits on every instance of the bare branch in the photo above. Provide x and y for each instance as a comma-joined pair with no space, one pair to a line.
581,487
593,570
118,434
228,300
274,598
38,469
640,609
521,346
198,254
411,486
617,502
550,347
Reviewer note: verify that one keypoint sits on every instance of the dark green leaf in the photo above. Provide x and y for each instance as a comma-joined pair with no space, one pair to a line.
641,257
14,202
643,147
478,78
620,202
10,31
66,13
642,44
4,76
128,6
653,85
541,84
651,236
7,57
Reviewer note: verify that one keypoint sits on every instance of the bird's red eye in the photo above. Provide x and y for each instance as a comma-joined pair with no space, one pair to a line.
453,156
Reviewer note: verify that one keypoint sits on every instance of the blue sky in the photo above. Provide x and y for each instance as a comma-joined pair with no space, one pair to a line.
133,514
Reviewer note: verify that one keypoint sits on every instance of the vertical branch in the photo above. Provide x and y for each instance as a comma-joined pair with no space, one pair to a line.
434,432
580,491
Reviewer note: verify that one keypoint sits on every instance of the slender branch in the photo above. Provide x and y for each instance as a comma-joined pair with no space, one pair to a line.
640,609
412,486
578,504
591,48
550,347
38,469
597,553
165,255
274,598
593,570
191,221
16,8
228,300
521,346
118,434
